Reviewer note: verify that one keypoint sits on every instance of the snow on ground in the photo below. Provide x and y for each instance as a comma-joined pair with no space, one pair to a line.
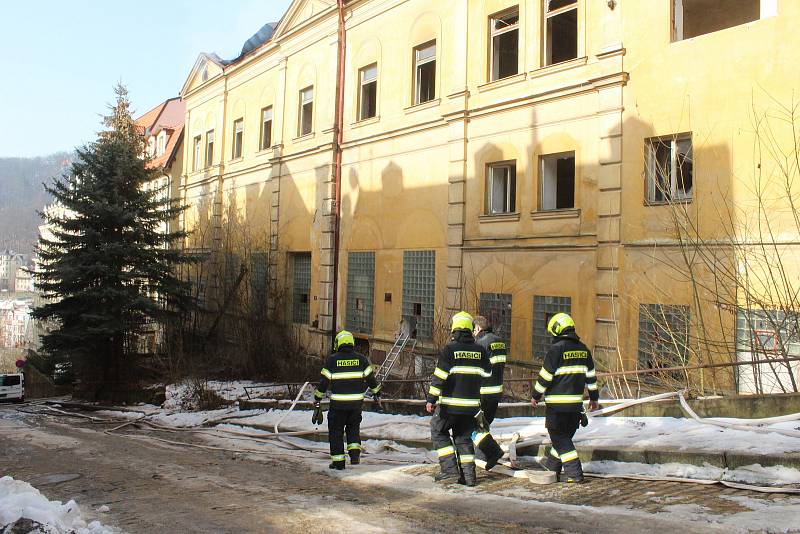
21,500
181,395
749,474
662,433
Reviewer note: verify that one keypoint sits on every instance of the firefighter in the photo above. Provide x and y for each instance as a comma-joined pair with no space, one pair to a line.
568,368
348,374
492,389
455,392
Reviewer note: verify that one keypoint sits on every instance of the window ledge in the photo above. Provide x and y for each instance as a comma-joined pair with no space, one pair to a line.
263,151
498,217
303,137
502,82
569,213
655,203
559,67
365,122
236,160
425,105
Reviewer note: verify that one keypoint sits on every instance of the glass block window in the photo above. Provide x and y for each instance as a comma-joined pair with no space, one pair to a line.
767,335
258,278
360,291
497,308
419,287
544,307
663,335
301,287
233,264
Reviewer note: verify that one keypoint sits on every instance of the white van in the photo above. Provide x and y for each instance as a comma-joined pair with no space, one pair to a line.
12,387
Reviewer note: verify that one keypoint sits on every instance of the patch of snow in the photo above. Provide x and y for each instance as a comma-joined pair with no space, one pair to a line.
751,474
103,508
21,500
179,396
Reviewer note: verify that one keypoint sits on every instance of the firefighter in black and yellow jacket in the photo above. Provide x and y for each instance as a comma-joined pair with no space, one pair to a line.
456,393
568,368
348,374
492,389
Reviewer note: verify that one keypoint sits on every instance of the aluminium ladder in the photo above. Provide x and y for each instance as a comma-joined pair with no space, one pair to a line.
403,340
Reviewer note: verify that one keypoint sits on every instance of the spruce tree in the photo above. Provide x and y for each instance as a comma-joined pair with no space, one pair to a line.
110,268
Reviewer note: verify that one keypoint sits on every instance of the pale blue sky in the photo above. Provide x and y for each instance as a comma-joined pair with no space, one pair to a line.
59,59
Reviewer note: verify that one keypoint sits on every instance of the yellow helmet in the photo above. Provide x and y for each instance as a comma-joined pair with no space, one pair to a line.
558,323
343,338
462,321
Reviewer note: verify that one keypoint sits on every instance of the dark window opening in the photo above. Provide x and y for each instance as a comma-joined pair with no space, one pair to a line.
266,128
558,181
505,44
368,98
306,111
561,33
238,137
501,188
691,18
425,72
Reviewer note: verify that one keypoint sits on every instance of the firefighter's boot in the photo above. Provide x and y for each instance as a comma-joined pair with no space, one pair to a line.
355,456
573,472
470,477
551,462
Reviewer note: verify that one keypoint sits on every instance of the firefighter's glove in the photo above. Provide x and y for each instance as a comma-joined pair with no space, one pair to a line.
584,419
316,418
480,419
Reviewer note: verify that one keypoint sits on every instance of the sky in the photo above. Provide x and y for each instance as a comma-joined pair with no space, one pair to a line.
60,60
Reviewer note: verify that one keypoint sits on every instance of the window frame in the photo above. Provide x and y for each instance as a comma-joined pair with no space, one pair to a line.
494,71
197,164
420,63
546,16
651,170
302,110
511,195
362,84
261,140
210,138
238,138
542,178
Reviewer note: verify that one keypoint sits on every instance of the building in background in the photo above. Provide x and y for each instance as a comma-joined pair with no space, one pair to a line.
10,262
23,282
513,158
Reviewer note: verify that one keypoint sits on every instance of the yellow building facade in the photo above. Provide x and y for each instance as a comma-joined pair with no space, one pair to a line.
513,158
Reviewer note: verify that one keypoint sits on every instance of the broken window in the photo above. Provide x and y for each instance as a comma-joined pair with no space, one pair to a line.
663,336
419,288
360,291
504,30
238,138
557,181
561,31
266,128
198,150
496,307
368,95
501,188
259,262
301,287
425,72
670,171
762,335
209,148
544,307
306,111
691,18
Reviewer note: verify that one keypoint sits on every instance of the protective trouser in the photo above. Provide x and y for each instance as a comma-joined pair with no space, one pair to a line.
562,427
341,422
489,407
458,449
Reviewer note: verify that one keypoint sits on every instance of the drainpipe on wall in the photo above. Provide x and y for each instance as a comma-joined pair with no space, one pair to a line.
337,161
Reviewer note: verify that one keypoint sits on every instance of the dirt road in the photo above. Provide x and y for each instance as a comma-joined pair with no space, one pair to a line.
153,487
